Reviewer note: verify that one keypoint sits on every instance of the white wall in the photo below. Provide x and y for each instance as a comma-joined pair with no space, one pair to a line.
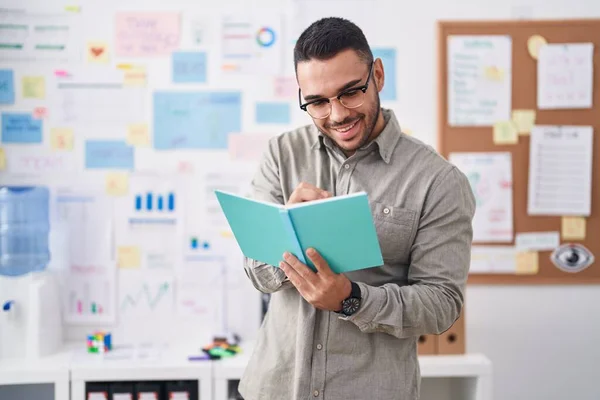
543,341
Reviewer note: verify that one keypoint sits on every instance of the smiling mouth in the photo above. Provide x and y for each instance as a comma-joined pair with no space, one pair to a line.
347,127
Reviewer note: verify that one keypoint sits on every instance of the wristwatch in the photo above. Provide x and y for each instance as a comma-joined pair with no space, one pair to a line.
351,304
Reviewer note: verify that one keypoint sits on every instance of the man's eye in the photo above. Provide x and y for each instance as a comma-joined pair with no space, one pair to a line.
351,93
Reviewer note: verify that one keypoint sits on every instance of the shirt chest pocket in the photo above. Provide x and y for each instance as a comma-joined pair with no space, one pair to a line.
396,228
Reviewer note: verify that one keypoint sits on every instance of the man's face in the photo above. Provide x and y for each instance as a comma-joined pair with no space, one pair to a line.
349,128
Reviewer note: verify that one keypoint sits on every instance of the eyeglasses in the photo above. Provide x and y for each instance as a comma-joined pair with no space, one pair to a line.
349,98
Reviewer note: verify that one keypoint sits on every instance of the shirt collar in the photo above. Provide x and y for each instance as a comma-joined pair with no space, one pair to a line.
386,141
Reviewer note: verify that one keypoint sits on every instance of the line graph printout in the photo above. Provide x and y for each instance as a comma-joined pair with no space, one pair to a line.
142,295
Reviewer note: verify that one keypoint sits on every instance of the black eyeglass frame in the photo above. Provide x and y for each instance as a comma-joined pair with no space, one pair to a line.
362,88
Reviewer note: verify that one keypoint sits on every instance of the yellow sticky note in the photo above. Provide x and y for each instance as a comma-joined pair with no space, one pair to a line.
505,132
34,87
117,183
137,135
533,45
72,8
227,234
573,228
2,160
134,76
527,262
128,257
97,52
61,138
524,120
494,74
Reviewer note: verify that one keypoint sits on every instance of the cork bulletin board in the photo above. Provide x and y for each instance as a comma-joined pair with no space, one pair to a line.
524,80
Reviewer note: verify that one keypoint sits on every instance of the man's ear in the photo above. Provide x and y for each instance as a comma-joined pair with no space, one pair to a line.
378,74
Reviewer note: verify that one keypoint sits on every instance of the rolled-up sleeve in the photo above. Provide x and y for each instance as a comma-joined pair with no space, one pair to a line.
266,186
438,272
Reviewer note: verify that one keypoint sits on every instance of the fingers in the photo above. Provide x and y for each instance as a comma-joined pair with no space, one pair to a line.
320,263
307,192
303,272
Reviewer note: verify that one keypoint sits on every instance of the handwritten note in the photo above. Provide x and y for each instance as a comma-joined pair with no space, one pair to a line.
195,120
539,241
143,34
479,79
137,135
527,262
109,154
524,120
34,87
560,170
505,132
136,76
129,257
116,183
565,76
272,113
248,147
97,52
7,86
388,58
573,228
40,113
21,128
61,138
189,67
41,161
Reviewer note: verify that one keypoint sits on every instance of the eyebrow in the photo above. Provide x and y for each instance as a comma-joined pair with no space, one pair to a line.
320,96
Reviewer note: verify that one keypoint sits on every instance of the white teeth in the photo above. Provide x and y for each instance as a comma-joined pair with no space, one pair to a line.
346,129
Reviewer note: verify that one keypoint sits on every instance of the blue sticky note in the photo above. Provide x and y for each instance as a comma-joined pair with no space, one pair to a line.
108,154
189,66
196,120
272,113
21,128
388,58
7,86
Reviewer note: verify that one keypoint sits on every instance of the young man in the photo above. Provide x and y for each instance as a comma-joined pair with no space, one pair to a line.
354,335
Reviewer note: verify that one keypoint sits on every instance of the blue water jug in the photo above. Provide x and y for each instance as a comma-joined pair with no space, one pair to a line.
24,229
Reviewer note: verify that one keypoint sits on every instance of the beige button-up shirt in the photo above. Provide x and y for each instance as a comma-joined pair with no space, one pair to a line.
422,208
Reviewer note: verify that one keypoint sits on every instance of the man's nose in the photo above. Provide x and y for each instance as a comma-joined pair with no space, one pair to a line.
338,112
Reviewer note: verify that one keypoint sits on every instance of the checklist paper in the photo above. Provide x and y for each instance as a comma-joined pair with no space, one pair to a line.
560,170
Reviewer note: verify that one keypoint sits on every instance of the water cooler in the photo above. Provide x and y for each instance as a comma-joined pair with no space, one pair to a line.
30,307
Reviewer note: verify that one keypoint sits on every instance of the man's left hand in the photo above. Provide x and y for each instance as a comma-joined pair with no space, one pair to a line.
323,289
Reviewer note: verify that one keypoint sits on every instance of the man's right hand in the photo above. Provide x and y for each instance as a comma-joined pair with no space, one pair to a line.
307,192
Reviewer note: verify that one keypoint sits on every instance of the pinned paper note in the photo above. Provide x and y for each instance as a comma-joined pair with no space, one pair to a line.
97,52
533,45
21,128
40,113
128,257
527,262
189,67
34,87
137,135
573,228
143,34
135,76
285,87
505,132
7,86
117,183
2,160
524,120
61,138
109,154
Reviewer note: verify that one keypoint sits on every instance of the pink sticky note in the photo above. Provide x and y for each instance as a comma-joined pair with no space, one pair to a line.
248,147
143,34
40,112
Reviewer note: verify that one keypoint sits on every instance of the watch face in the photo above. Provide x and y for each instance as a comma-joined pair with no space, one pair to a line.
351,306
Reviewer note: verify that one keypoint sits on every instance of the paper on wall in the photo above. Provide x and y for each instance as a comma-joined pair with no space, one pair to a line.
490,176
565,76
479,80
493,259
560,170
537,241
90,295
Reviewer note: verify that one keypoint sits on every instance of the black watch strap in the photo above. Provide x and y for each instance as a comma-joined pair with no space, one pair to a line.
355,291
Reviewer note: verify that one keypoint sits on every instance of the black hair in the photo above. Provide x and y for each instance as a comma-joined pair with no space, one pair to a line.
327,37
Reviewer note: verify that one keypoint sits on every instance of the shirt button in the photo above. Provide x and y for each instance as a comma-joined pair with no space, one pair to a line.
347,166
319,346
316,393
386,210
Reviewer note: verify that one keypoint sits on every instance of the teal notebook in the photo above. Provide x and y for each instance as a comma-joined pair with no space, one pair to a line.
340,228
